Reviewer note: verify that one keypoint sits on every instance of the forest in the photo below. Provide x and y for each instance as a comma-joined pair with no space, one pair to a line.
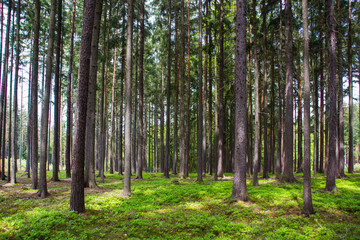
206,119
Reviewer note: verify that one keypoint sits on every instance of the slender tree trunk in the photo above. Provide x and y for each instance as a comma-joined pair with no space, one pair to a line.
69,97
351,104
57,149
112,124
167,155
127,182
321,148
162,123
239,191
300,142
34,99
123,56
307,199
176,98
15,109
139,165
210,97
45,109
187,149
77,201
200,106
288,175
220,143
332,166
182,96
91,102
257,105
265,101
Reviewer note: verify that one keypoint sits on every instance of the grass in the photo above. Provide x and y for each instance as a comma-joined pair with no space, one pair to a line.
162,209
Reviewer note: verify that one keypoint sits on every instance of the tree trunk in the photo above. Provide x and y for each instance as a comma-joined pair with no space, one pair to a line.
162,123
127,182
91,102
351,104
57,149
239,190
257,157
300,150
112,124
69,98
200,105
288,175
332,166
210,98
167,155
307,199
77,201
182,95
34,99
15,109
45,109
140,156
220,143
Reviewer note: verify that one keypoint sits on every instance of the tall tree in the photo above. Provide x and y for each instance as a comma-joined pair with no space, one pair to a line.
200,105
139,164
182,94
15,109
220,143
69,100
89,180
45,108
288,175
257,156
210,80
77,198
57,130
307,199
331,166
127,182
351,104
239,191
34,99
168,92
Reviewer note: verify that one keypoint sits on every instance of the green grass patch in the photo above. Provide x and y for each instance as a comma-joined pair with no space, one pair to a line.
162,209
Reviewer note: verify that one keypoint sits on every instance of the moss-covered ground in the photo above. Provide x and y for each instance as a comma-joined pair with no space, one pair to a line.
161,208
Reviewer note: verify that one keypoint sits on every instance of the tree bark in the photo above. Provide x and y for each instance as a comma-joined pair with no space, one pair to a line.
91,102
200,106
288,175
332,166
140,156
239,190
307,199
351,104
45,108
127,182
57,130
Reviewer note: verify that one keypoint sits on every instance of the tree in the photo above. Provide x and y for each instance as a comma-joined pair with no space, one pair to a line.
257,155
288,175
182,95
220,143
34,96
45,108
200,105
69,105
239,191
15,109
331,166
57,96
77,201
89,180
127,182
307,200
139,164
349,56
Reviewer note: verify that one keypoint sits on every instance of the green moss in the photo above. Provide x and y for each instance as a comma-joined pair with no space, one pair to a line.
159,209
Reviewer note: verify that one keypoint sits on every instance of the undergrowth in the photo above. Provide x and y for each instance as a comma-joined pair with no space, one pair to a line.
161,208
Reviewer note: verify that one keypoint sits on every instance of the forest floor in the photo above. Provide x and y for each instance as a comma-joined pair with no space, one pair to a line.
162,208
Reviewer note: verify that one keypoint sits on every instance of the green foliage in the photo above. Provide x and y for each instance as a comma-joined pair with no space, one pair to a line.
160,209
